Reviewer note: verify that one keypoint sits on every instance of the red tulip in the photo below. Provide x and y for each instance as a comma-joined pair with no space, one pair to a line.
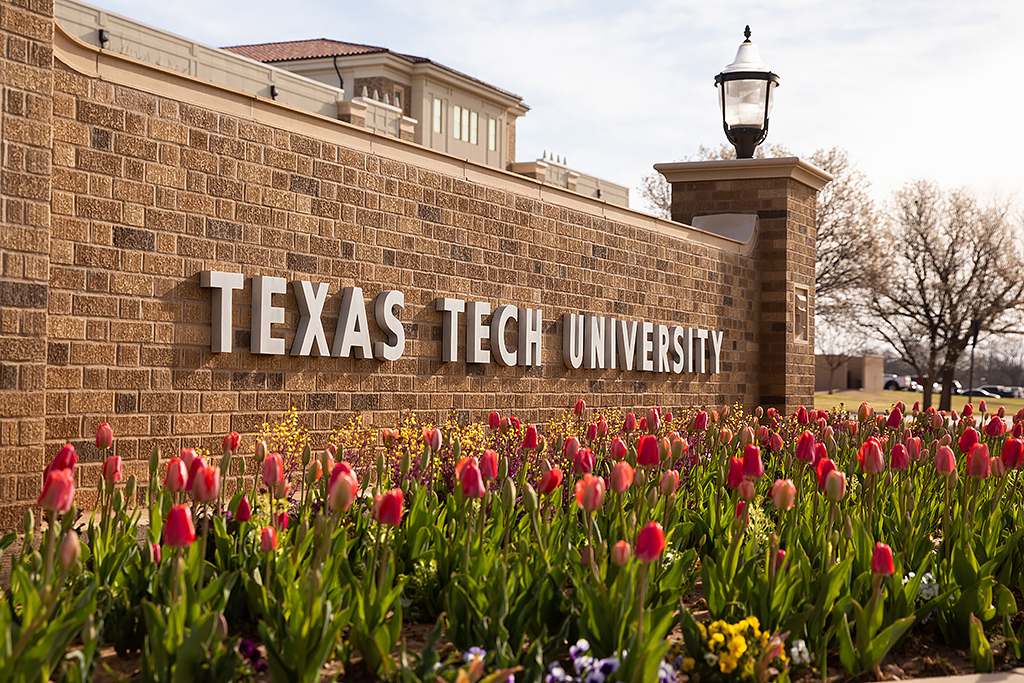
154,552
65,460
273,470
895,418
977,461
530,439
618,449
968,410
881,560
198,463
653,420
58,491
805,447
779,561
70,550
968,440
584,462
746,490
801,415
621,552
650,542
647,451
206,485
343,490
775,443
104,436
1012,451
387,507
945,462
602,427
783,494
550,481
900,459
494,420
178,529
187,456
914,448
489,465
571,448
753,468
822,469
835,486
642,424
669,482
995,427
244,512
700,423
864,413
629,425
622,477
177,475
870,456
590,492
268,539
112,469
471,481
280,520
741,508
1018,430
230,443
581,406
591,435
679,446
432,439
735,475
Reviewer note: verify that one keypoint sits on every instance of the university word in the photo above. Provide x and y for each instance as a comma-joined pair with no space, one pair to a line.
588,341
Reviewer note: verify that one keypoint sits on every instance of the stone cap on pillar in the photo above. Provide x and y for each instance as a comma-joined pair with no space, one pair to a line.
745,169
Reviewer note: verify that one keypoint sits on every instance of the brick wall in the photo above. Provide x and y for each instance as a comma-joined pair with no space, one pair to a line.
156,177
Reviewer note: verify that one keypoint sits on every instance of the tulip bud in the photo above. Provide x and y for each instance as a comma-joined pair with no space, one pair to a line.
652,497
406,463
835,486
746,490
154,461
882,561
503,468
508,494
118,501
529,498
268,539
621,552
587,557
380,470
456,448
220,631
848,528
669,482
70,550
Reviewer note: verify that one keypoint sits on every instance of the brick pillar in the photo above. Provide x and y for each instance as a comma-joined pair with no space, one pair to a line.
26,62
783,194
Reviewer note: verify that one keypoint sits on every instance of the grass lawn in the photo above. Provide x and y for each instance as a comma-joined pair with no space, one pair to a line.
883,400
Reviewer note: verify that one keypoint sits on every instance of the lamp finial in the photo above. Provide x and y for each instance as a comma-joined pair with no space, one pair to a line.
746,33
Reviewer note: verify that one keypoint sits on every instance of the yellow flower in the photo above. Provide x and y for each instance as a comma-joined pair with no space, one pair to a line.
717,639
727,663
688,663
737,646
753,622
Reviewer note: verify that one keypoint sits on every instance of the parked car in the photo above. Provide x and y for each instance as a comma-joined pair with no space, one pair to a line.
981,393
898,383
937,386
1002,391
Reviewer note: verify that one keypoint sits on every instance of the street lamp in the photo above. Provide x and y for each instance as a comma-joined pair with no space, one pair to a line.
745,90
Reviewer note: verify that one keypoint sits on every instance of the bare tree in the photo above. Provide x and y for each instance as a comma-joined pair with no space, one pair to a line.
943,261
837,341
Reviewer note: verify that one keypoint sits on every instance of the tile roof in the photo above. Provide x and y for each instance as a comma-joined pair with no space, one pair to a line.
317,48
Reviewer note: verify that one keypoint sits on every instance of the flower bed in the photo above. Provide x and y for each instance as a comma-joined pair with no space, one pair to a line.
558,552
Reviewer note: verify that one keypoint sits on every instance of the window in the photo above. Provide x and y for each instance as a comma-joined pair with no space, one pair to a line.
398,98
472,128
457,122
492,135
465,125
437,115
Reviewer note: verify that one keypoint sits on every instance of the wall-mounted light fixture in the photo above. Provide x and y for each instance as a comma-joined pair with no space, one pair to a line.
274,92
104,36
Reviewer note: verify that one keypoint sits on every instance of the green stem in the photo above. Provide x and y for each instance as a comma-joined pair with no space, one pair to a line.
384,561
51,521
640,611
202,559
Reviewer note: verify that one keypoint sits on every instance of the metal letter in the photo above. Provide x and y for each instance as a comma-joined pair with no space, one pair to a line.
688,350
498,321
701,336
572,340
311,297
644,347
625,337
593,343
609,343
265,314
220,311
475,310
352,331
450,309
389,324
678,356
531,336
661,349
716,351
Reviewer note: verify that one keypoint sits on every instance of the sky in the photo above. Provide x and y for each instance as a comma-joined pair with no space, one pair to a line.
910,89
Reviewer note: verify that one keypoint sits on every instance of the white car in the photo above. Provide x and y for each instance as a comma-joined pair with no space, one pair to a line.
898,383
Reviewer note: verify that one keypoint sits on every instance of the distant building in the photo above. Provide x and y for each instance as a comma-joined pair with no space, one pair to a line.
862,372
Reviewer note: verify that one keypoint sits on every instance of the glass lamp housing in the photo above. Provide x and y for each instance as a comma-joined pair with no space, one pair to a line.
746,95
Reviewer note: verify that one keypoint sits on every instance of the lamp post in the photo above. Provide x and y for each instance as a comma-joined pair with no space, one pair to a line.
975,329
745,95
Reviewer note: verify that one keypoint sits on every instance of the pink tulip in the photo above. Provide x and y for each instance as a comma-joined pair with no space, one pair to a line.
177,475
530,439
642,424
653,420
618,449
978,462
881,560
835,486
387,507
268,539
583,462
700,422
591,432
104,436
900,459
590,492
622,477
775,443
581,406
198,463
244,512
494,420
70,550
65,460
669,482
154,552
780,560
550,481
997,467
621,552
343,491
58,491
968,440
746,490
647,451
914,448
178,529
280,520
273,470
735,475
471,481
801,415
489,465
805,447
753,468
112,469
602,427
650,542
571,447
864,413
206,485
230,443
823,467
870,456
432,439
783,494
945,462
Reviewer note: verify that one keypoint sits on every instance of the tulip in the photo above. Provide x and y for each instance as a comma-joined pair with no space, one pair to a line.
602,427
1018,430
914,448
584,462
783,494
571,448
735,475
968,410
489,465
230,443
900,459
112,469
244,512
70,549
65,460
177,475
779,561
820,452
590,492
642,424
104,436
154,552
650,542
997,467
968,440
647,451
945,462
679,446
653,420
700,422
804,447
387,507
432,439
494,420
995,427
58,491
587,557
343,491
746,490
178,529
550,481
280,520
895,418
725,436
315,471
592,432
864,413
530,438
822,469
870,456
273,470
622,477
753,468
1011,455
835,486
669,482
741,508
978,462
471,481
775,443
268,539
881,560
581,406
618,449
621,552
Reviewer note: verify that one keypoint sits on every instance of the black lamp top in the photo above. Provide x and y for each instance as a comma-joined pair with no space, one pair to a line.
746,34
